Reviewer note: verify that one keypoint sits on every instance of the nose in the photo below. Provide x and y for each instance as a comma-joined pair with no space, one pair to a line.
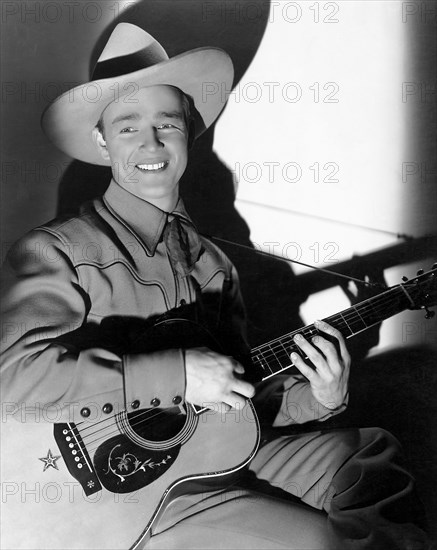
149,140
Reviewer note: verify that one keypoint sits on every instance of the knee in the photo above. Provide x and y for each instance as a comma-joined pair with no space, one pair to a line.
372,454
377,441
365,442
374,471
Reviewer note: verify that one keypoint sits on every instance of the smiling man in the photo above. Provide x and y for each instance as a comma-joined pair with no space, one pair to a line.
147,145
133,256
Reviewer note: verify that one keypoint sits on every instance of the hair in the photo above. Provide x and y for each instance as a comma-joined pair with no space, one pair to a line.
187,106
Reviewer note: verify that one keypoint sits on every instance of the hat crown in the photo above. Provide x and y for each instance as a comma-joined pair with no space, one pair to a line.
129,49
133,59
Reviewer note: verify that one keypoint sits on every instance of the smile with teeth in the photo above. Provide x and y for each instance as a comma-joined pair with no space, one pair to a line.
152,167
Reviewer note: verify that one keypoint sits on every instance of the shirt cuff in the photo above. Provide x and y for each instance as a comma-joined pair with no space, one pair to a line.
154,379
299,405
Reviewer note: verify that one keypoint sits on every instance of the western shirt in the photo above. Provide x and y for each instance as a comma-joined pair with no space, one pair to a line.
77,295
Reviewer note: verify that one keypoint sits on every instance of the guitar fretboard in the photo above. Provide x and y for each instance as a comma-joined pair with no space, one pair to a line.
274,357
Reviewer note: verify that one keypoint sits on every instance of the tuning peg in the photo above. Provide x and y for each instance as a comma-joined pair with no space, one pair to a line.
405,279
420,272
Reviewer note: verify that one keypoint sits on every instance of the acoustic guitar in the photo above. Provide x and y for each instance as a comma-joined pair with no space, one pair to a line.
104,482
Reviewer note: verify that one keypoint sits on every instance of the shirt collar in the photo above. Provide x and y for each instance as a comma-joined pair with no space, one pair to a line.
144,219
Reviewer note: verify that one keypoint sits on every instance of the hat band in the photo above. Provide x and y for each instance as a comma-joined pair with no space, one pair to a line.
118,66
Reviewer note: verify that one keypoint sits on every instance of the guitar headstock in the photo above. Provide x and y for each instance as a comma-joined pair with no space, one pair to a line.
422,290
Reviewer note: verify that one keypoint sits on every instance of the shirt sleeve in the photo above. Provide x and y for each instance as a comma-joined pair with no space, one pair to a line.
287,399
283,399
53,362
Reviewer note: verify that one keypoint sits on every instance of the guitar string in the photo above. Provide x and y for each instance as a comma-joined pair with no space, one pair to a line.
369,302
148,418
133,416
353,324
149,415
353,316
278,346
276,351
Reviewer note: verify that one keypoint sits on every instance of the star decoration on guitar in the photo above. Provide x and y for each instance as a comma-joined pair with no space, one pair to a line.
50,461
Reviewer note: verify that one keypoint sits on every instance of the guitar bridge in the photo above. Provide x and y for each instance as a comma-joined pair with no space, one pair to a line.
76,457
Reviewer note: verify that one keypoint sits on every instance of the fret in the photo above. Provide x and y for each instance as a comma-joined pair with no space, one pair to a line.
282,353
276,359
358,322
274,356
288,341
374,313
310,331
287,354
291,345
358,313
262,363
346,324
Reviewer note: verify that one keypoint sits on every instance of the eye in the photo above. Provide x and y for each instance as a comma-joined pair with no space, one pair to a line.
128,130
166,126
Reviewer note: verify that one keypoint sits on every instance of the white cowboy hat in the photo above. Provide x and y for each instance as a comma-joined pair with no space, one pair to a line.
133,59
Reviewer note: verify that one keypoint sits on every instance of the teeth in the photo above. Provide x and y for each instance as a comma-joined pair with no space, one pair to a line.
152,166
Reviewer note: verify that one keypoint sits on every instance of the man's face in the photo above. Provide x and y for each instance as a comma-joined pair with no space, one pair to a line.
146,143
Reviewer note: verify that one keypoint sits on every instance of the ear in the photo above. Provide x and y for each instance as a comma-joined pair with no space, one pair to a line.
100,143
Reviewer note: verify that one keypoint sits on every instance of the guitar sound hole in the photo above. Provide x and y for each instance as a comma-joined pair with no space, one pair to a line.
157,424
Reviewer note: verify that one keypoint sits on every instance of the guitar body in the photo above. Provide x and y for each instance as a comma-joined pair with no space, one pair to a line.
105,484
46,507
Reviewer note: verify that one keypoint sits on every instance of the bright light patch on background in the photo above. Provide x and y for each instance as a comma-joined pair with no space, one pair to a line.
317,130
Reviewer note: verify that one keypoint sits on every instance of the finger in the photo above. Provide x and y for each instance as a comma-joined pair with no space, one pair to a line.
300,364
234,400
325,327
333,361
310,351
238,368
243,388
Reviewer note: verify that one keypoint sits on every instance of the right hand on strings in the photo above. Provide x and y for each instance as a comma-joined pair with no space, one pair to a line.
211,378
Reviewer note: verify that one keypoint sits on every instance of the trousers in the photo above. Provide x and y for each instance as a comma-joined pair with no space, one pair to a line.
336,489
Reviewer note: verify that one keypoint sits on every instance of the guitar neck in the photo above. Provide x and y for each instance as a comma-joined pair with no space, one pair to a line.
274,357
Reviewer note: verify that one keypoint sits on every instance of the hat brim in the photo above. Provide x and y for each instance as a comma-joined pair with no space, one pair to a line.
205,74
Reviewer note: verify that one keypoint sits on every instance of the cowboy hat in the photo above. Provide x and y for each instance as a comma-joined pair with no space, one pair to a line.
133,59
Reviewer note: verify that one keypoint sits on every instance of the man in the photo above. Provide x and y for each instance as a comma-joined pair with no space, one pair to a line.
86,299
